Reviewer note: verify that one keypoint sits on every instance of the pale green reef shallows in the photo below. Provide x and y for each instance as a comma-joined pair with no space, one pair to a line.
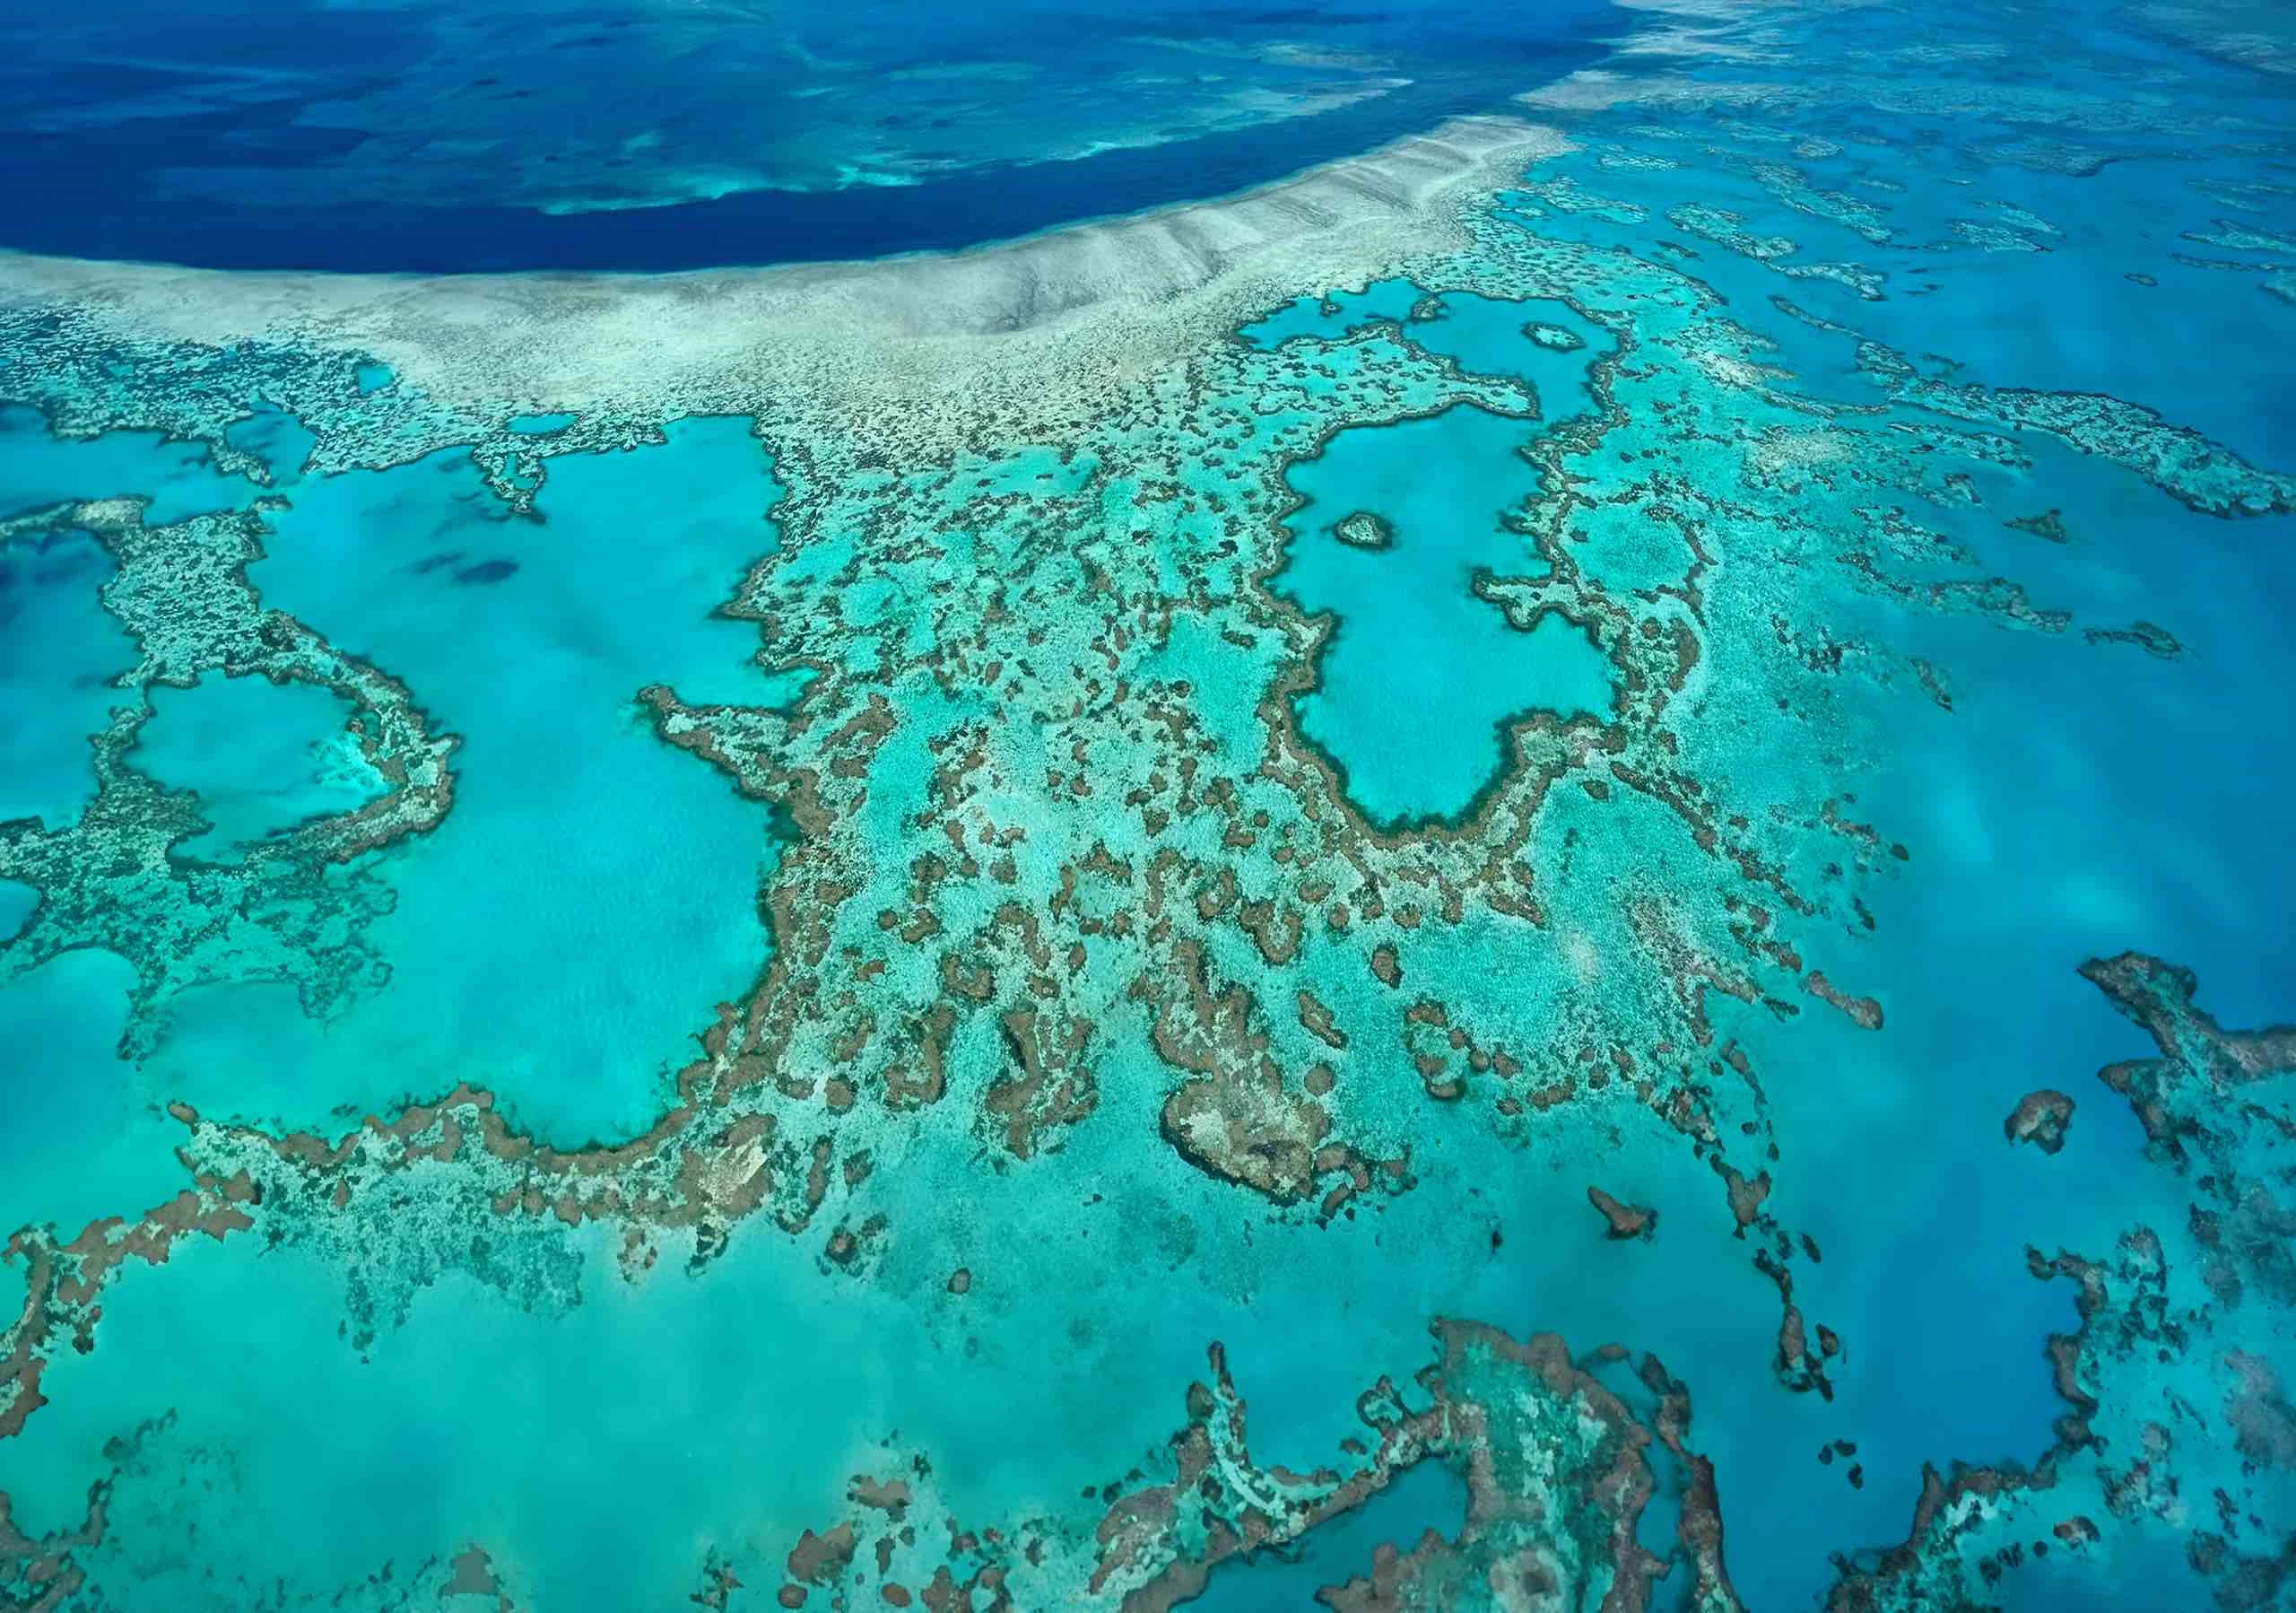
766,939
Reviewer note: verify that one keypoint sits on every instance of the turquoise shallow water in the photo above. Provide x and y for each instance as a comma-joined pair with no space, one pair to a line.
1516,937
1426,1497
61,653
60,1027
555,918
177,478
260,756
1412,637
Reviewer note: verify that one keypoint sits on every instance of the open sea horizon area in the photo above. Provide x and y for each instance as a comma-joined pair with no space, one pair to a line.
1148,807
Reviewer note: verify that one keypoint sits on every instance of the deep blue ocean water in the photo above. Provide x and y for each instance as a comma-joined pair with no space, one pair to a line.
415,136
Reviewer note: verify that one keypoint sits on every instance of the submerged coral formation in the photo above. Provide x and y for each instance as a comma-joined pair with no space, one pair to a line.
1218,777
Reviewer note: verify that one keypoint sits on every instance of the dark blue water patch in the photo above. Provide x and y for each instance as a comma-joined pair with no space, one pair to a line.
233,140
